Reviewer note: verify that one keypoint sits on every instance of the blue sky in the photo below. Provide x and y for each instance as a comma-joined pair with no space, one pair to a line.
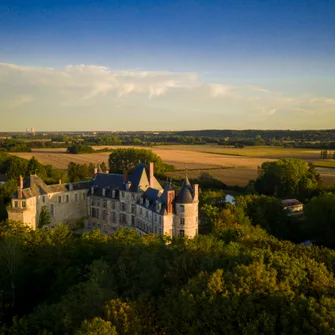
273,62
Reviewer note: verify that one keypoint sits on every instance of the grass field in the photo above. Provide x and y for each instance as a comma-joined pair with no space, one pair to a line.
261,152
231,166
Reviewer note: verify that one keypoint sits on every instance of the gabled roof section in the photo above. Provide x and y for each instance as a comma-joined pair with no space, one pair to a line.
33,186
139,179
186,193
111,180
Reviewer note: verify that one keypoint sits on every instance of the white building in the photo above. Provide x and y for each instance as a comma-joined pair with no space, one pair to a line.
110,202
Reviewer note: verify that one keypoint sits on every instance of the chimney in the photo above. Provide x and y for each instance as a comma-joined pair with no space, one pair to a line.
170,197
196,192
125,176
20,188
151,174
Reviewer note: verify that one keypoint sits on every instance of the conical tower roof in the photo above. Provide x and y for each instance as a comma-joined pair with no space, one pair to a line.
185,195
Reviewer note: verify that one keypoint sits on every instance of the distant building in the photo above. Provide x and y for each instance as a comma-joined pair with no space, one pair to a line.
293,207
110,202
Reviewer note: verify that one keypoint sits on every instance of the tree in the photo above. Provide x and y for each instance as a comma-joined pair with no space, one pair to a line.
96,326
287,177
320,219
44,218
121,160
79,148
103,167
267,212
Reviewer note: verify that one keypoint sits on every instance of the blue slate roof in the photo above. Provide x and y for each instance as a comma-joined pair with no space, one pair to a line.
185,194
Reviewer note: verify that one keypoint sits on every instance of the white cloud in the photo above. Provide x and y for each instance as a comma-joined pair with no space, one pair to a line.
97,89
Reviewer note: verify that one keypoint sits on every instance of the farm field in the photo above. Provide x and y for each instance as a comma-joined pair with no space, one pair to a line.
222,163
259,151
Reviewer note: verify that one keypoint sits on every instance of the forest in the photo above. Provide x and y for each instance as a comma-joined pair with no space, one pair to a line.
245,273
235,280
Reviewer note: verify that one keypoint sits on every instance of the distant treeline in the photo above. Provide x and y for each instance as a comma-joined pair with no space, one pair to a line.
317,139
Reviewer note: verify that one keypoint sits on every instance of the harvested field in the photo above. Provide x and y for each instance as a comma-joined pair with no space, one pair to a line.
232,170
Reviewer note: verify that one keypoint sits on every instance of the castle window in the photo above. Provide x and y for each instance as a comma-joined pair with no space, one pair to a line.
113,204
104,215
16,204
181,233
133,208
23,204
104,203
98,202
133,196
123,206
160,231
43,198
182,208
122,194
67,198
59,199
155,218
52,210
182,221
133,220
93,202
76,197
160,220
95,213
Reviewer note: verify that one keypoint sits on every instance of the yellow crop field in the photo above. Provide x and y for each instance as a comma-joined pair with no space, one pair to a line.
222,163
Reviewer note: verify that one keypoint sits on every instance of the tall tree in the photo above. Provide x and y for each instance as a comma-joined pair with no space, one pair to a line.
286,177
44,218
121,160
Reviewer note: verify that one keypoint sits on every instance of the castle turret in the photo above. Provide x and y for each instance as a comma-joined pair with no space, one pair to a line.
186,208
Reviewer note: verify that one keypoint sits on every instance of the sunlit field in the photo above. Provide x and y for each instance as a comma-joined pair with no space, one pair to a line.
230,165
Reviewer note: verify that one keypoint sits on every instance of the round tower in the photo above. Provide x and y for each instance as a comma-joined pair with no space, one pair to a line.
186,210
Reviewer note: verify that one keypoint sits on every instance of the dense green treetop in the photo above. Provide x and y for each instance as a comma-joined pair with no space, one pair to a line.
287,177
80,148
121,160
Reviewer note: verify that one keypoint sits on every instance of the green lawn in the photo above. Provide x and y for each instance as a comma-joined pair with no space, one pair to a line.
329,163
253,151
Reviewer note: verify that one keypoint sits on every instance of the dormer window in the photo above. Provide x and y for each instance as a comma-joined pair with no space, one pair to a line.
158,206
113,194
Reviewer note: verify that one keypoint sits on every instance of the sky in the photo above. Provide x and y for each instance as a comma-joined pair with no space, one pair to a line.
167,65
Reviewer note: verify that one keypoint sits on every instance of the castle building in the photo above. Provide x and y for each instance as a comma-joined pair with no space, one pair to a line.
110,202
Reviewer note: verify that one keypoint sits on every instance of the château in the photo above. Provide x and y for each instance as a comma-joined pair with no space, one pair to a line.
110,202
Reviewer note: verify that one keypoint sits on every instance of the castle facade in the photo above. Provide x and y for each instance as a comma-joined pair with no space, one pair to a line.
110,202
